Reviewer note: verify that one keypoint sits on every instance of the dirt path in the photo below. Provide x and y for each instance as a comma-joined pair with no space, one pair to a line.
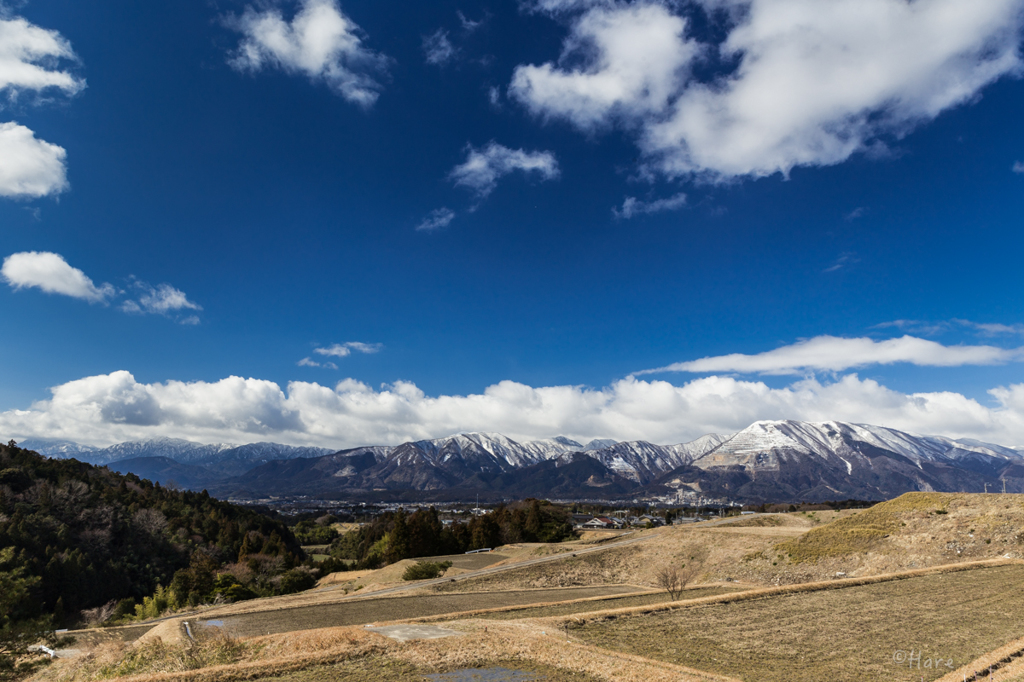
394,608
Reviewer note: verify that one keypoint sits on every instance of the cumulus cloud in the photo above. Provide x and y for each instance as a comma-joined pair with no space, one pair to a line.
28,54
343,350
52,274
114,407
438,48
436,220
162,299
812,82
836,354
320,42
639,57
634,207
483,167
29,167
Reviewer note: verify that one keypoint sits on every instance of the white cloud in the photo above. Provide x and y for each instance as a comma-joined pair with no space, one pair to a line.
639,58
483,167
310,362
27,53
51,273
320,42
814,82
634,207
438,48
343,350
928,328
114,407
468,25
1018,167
841,262
438,219
836,354
29,167
163,299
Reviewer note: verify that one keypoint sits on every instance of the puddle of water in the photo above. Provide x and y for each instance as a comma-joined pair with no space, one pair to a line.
213,623
484,675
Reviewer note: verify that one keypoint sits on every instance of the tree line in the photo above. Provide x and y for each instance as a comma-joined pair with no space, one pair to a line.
398,535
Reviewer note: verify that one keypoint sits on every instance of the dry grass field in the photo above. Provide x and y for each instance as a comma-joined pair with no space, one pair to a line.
384,669
782,610
853,634
365,611
591,605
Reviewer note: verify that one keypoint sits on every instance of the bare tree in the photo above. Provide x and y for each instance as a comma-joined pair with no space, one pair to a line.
670,579
674,578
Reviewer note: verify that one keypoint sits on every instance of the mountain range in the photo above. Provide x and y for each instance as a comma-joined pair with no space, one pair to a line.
769,461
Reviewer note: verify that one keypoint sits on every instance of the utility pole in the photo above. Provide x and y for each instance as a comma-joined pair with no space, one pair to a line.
986,487
1004,486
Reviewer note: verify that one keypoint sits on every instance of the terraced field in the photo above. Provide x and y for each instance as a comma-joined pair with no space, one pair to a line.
921,627
395,608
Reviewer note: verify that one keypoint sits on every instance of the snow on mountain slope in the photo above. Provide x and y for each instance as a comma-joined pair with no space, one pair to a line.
57,449
642,462
764,444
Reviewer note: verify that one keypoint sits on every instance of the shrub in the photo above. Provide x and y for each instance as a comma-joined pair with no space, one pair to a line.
296,580
426,570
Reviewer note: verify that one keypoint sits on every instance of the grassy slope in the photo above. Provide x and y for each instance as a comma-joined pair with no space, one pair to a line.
926,528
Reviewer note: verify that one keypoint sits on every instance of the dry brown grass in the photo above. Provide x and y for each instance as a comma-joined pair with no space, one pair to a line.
795,634
275,655
1005,664
920,528
638,563
216,657
768,592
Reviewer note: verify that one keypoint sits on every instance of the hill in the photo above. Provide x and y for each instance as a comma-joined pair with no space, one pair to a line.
88,536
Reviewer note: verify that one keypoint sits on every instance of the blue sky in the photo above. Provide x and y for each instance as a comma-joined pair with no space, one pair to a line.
342,223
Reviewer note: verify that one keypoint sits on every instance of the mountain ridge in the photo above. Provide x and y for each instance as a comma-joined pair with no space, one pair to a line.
770,460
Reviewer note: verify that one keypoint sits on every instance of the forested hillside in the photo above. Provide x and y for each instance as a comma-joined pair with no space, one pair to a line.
84,536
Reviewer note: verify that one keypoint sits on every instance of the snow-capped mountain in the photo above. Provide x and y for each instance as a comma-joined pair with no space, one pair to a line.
790,460
767,444
643,462
767,461
221,458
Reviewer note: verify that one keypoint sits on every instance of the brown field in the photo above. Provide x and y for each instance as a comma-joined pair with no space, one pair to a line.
384,669
781,597
839,635
601,604
365,611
